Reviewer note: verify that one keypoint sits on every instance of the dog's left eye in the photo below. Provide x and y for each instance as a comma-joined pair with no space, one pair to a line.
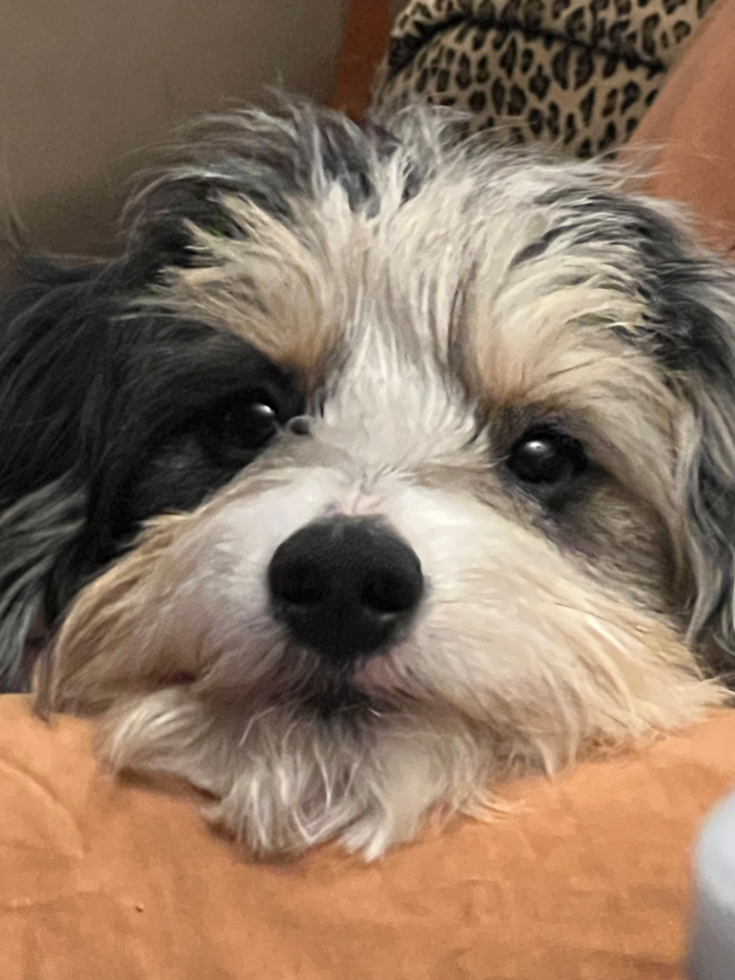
544,455
240,426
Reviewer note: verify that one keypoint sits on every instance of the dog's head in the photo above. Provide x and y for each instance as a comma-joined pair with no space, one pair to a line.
432,448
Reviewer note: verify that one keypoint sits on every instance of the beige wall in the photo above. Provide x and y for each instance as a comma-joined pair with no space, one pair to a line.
84,84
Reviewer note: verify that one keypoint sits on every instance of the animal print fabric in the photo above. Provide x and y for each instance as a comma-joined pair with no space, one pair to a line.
577,75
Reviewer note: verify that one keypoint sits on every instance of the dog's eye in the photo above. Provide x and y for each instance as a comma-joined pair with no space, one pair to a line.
240,425
545,456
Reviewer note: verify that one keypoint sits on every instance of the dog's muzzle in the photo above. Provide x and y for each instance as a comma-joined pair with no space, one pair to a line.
345,588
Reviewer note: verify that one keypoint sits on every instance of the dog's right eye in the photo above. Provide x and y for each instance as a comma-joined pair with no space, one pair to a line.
546,457
237,428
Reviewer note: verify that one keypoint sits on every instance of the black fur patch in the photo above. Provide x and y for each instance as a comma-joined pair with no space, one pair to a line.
32,533
107,418
682,330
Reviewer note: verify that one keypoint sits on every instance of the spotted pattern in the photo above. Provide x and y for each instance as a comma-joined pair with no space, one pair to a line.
579,75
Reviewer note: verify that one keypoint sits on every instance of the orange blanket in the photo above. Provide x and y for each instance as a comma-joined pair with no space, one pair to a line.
587,881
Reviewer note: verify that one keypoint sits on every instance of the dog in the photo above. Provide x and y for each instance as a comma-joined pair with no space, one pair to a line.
382,465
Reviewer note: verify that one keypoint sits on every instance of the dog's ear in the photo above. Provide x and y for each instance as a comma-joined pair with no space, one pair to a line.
59,346
33,534
689,333
41,501
59,335
710,520
78,410
701,314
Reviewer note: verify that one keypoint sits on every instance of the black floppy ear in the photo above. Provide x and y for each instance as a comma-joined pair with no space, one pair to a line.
703,298
689,332
710,523
72,344
59,343
41,501
33,534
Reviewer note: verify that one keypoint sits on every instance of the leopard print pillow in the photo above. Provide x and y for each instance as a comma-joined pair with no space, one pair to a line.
576,74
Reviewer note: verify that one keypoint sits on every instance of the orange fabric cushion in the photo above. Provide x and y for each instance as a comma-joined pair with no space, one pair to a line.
588,879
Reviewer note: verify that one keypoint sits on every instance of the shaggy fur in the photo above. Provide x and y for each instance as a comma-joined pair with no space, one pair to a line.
425,308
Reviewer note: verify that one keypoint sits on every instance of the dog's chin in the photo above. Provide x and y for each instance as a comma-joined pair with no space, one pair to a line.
331,761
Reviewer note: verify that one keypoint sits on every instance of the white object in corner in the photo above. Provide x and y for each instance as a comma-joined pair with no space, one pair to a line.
712,953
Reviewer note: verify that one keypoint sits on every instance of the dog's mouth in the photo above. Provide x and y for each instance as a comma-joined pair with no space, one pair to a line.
307,684
330,691
338,699
371,687
367,685
323,694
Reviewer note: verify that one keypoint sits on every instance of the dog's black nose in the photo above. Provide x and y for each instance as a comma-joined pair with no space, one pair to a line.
344,587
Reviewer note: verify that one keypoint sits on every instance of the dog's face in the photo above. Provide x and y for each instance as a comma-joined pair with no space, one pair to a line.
433,444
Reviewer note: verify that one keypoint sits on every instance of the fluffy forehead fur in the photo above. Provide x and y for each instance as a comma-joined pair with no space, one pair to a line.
425,301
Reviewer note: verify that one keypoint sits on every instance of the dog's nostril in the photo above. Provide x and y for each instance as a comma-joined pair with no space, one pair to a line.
301,584
390,593
344,587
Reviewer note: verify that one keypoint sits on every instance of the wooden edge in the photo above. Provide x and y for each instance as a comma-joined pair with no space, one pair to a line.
363,46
